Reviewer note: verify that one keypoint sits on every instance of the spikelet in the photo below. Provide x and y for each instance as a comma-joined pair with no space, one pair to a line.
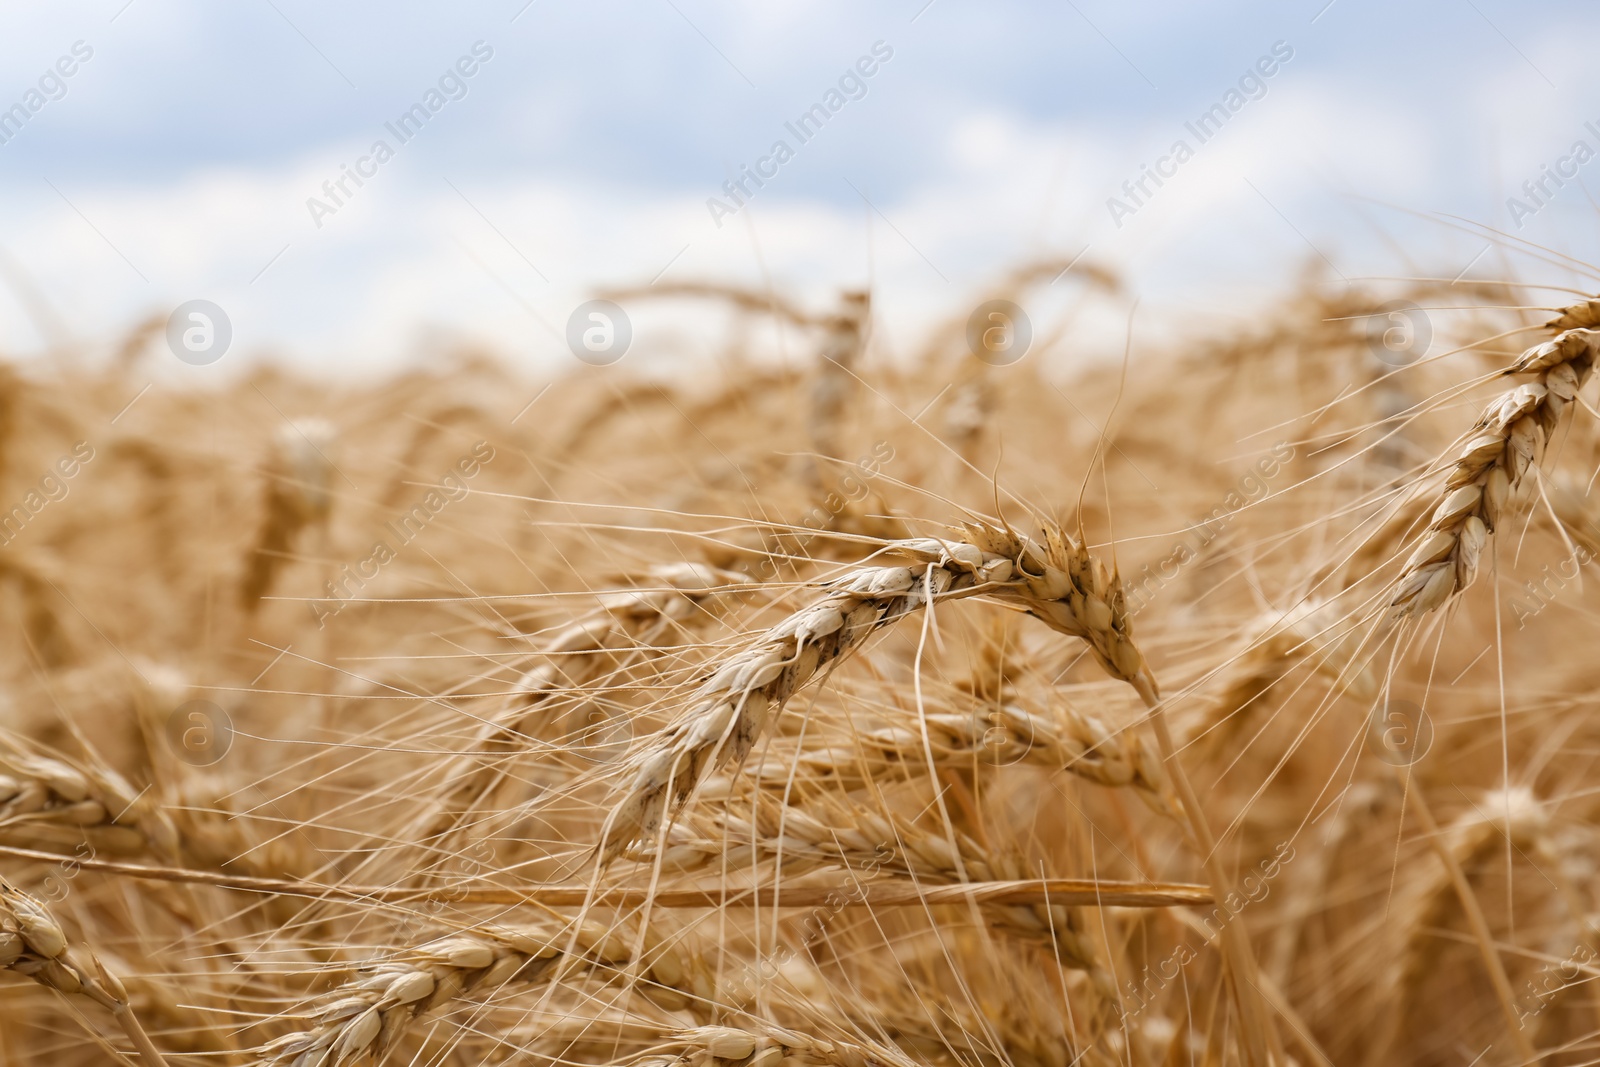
576,656
50,802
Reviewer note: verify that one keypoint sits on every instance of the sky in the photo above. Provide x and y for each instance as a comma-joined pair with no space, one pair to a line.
195,149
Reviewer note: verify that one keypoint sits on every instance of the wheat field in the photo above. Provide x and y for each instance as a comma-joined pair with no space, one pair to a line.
1227,703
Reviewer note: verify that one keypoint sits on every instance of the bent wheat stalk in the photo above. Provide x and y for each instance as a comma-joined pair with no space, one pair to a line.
904,856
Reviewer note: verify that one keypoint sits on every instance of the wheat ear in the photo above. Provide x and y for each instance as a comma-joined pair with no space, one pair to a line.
1507,441
1062,737
369,1015
763,1044
40,622
297,493
1462,846
33,944
1059,583
574,657
1280,641
51,801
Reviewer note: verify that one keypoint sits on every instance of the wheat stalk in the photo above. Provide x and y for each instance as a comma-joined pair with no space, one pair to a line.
857,838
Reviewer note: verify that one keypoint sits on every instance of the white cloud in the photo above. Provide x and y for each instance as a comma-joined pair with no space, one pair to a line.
967,172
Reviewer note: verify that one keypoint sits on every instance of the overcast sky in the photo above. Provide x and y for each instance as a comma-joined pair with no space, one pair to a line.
178,159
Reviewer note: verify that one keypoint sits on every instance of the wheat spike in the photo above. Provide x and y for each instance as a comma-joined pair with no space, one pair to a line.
33,944
297,494
576,656
369,1015
51,801
1059,583
1507,441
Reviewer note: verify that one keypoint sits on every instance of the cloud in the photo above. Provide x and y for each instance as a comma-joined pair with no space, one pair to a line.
585,153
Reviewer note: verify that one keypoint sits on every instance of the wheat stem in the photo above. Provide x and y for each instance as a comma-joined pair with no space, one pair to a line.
1259,1032
1475,919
